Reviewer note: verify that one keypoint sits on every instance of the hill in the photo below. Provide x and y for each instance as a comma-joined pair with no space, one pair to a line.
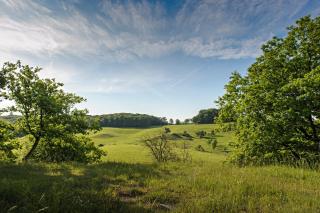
128,180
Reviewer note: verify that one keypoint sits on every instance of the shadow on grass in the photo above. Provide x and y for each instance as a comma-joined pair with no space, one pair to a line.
74,187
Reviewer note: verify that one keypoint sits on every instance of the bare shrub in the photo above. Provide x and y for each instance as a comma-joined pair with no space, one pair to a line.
185,155
161,148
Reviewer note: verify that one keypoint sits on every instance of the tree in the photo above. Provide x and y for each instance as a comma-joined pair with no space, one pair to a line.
187,121
276,105
178,122
48,113
205,116
171,121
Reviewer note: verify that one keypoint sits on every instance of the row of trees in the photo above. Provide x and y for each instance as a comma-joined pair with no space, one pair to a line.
130,120
276,106
56,129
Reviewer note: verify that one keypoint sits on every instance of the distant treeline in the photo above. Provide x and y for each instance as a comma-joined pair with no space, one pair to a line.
205,116
130,120
10,118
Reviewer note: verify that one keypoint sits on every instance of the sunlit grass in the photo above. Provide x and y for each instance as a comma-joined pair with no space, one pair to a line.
128,180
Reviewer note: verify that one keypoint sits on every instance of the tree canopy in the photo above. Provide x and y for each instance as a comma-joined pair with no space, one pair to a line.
130,120
276,105
48,115
205,116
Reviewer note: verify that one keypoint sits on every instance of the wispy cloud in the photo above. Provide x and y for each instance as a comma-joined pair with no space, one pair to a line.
122,31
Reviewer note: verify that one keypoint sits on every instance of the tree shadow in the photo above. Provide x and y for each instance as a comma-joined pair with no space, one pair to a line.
103,187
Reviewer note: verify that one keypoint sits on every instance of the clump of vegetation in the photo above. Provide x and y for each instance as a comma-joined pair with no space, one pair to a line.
167,130
276,105
161,148
185,155
187,135
201,134
200,148
214,143
7,142
205,116
174,136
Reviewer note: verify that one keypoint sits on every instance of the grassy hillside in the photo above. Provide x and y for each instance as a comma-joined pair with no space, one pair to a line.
129,181
126,144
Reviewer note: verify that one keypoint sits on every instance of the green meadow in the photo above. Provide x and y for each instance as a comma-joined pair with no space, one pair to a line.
129,180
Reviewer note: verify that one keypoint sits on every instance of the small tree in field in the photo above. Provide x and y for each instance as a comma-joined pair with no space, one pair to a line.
48,115
160,148
171,121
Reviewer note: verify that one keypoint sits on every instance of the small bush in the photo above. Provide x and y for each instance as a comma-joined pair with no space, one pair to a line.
174,136
161,148
73,148
200,148
214,143
187,135
167,130
201,134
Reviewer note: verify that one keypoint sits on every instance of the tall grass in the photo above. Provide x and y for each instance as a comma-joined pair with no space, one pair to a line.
123,187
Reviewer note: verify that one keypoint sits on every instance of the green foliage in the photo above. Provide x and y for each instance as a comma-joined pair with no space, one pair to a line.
47,112
187,121
7,142
69,148
200,148
214,143
170,121
130,120
205,116
161,148
167,130
10,118
276,106
201,134
187,135
178,122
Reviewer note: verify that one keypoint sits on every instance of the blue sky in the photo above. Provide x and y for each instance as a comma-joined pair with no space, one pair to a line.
167,58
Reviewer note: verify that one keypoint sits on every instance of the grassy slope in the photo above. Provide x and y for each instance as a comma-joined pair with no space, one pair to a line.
128,181
125,145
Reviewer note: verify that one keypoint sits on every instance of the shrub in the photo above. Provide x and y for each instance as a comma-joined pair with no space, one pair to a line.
167,130
214,143
201,134
7,143
200,148
161,148
72,148
185,154
187,135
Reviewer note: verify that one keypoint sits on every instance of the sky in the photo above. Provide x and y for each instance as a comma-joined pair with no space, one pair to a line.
168,58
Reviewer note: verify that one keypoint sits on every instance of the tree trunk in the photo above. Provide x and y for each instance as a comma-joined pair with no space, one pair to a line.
34,146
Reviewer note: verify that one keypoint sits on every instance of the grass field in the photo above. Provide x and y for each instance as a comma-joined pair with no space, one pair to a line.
128,180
